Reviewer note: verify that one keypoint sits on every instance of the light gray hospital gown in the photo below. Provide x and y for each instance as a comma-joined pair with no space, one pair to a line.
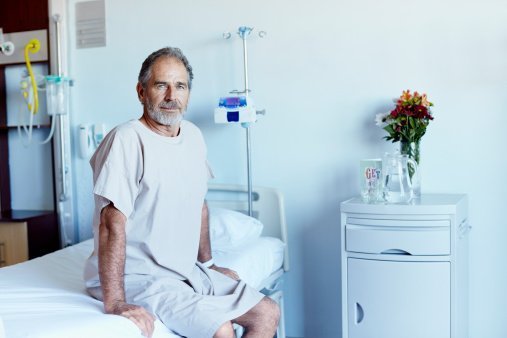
159,184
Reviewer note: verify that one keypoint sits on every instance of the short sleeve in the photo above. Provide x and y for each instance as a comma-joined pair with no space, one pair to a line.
117,167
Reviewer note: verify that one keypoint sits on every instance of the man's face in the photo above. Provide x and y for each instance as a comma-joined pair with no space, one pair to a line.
166,95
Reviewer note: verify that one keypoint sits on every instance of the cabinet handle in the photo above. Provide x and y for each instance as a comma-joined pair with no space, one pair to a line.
2,254
464,228
395,252
359,313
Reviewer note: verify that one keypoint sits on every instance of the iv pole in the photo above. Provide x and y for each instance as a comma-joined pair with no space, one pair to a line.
61,141
243,33
63,170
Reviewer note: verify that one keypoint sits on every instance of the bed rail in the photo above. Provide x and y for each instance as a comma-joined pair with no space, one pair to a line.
267,205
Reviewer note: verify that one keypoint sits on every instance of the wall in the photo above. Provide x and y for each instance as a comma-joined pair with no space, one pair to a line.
322,73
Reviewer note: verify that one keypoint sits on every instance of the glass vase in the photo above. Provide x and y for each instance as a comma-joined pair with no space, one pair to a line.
412,149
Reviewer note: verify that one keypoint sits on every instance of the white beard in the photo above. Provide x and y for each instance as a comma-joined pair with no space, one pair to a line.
161,117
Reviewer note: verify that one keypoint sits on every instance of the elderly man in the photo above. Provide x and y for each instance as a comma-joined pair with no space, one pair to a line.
152,253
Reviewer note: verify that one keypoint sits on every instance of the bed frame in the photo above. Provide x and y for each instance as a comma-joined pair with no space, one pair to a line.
268,208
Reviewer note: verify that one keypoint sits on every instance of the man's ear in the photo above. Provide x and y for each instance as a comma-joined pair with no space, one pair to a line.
140,92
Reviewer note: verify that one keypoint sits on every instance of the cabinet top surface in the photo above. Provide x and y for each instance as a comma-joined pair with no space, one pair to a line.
433,203
22,215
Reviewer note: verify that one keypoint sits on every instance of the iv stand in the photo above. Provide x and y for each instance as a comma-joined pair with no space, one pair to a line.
61,145
243,33
63,170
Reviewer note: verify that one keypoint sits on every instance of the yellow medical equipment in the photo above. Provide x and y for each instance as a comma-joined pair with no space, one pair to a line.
33,46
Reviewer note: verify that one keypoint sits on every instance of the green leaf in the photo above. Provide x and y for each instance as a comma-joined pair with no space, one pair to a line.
389,128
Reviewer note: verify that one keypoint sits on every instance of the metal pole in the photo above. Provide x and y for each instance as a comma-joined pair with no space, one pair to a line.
56,19
245,63
244,32
249,169
61,122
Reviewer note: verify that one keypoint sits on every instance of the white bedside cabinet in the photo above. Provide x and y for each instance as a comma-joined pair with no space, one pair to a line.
405,268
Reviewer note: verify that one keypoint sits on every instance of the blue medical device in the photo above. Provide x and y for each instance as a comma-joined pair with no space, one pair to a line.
235,109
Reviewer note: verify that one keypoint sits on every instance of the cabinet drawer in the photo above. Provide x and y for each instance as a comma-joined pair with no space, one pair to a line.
417,241
405,223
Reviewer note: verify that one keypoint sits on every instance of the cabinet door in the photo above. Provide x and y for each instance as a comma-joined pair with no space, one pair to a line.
13,243
389,299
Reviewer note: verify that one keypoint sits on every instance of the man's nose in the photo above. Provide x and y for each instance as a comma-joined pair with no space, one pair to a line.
170,94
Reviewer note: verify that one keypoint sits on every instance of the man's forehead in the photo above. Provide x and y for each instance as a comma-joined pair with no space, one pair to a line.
167,66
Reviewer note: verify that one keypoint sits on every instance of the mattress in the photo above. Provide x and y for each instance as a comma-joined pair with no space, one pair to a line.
45,297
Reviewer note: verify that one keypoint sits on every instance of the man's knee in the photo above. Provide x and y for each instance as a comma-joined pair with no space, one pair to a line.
225,331
263,317
272,312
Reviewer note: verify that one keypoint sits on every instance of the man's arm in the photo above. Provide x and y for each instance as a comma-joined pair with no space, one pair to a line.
112,244
204,254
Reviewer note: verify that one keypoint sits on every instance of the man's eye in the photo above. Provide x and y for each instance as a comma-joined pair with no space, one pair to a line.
161,86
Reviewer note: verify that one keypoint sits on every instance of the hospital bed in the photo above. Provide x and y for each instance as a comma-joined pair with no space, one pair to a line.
46,298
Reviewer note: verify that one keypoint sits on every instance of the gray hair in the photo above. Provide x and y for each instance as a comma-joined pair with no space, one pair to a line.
168,52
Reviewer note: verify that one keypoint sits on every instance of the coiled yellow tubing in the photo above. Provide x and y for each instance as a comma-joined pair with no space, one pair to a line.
33,46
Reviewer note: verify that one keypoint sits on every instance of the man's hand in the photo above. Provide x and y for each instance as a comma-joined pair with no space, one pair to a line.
204,254
228,272
144,320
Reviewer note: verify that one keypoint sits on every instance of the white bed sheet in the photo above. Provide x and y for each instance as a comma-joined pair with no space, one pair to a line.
46,297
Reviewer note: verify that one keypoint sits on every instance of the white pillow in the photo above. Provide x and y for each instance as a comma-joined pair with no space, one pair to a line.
229,228
254,261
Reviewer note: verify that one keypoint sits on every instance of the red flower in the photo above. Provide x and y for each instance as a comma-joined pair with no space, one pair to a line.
409,118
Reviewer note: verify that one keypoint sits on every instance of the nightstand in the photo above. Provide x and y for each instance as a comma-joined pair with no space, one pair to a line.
405,268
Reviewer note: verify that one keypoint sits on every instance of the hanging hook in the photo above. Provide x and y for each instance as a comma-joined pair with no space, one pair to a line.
244,31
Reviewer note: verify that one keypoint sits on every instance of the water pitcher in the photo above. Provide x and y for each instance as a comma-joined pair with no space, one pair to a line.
397,185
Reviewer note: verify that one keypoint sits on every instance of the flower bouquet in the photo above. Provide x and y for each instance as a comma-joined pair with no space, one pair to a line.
407,122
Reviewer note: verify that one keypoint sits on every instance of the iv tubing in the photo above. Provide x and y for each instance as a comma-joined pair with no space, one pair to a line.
51,132
27,130
33,47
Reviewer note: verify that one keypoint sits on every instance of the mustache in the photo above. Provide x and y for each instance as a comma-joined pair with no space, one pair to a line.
170,105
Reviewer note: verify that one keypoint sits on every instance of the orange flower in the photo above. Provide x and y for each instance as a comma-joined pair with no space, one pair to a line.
405,96
424,101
